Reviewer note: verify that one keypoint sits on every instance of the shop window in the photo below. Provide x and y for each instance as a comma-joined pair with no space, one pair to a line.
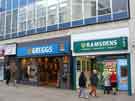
104,7
78,65
29,70
124,71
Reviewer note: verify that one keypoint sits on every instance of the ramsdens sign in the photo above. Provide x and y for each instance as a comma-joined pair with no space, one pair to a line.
101,45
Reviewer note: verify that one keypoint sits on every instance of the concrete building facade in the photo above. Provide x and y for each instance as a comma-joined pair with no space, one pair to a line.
26,21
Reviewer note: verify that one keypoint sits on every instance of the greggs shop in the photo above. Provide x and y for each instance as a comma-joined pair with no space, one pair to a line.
105,51
45,62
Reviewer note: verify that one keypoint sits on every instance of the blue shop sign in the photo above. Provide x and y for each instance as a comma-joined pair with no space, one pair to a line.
50,49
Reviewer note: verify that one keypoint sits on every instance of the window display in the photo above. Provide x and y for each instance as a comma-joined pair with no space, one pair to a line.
48,71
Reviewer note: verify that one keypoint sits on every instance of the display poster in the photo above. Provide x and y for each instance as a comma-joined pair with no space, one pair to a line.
110,65
122,68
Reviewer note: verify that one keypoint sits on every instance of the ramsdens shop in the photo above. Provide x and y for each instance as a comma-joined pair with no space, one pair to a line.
105,54
46,62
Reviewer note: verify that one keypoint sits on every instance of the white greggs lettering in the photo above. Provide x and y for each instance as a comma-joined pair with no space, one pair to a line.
40,50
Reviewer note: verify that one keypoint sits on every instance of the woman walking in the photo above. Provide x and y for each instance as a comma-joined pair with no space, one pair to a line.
114,82
107,83
82,85
94,82
8,75
13,71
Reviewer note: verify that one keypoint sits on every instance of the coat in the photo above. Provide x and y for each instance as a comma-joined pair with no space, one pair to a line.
82,81
94,79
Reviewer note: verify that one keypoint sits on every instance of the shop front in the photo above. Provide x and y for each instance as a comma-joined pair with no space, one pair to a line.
9,55
1,62
45,62
105,54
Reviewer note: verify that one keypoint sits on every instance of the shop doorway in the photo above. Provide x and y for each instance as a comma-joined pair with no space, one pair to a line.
112,63
46,71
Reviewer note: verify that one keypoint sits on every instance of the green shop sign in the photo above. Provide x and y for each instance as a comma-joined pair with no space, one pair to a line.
111,44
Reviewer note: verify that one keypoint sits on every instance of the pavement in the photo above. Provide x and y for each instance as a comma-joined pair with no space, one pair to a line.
31,93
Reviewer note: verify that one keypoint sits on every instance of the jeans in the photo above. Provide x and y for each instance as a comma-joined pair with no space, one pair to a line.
83,92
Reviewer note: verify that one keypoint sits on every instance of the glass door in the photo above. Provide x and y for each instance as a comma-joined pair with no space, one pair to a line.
83,65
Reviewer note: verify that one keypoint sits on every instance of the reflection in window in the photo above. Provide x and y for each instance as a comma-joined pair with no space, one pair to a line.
77,12
22,19
120,5
2,5
89,8
14,20
104,7
52,12
8,4
2,23
41,7
22,26
8,22
30,24
64,11
15,4
30,17
22,3
22,14
41,22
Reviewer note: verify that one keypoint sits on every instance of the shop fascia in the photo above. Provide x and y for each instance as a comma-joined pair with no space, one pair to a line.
10,49
118,43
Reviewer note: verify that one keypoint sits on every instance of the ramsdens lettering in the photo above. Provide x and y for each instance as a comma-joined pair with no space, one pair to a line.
101,43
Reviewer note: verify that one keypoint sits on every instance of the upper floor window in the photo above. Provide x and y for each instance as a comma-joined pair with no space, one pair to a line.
15,4
52,12
22,3
2,5
64,11
120,5
77,11
104,7
89,8
2,23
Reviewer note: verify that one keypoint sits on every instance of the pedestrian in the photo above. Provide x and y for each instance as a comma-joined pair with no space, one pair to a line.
113,82
107,83
8,75
13,71
82,85
94,82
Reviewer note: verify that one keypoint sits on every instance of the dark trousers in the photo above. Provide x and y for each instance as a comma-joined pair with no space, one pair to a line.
107,89
7,80
7,77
